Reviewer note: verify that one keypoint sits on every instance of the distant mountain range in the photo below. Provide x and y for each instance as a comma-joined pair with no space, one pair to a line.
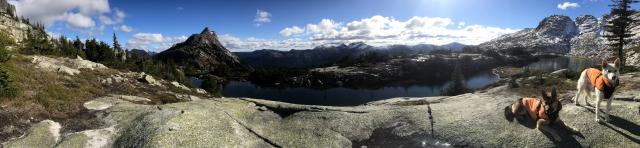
559,34
327,53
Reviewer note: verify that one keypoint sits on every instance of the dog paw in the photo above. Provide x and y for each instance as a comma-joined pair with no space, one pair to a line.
573,130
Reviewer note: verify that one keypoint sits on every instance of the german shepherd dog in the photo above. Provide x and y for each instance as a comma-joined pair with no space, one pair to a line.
544,112
602,82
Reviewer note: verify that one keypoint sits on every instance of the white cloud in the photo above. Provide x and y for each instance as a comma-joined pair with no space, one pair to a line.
324,26
567,5
380,30
79,21
289,31
153,41
248,44
117,18
49,11
80,15
124,28
461,24
262,17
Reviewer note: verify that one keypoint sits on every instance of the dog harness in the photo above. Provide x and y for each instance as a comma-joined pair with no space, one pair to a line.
599,82
535,108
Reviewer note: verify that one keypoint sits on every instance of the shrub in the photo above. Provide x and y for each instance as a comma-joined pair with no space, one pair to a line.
212,84
7,89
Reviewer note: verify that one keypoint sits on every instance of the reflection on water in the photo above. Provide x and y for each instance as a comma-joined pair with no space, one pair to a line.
341,96
555,63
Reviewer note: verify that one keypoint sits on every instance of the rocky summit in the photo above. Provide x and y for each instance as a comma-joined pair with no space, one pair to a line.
202,54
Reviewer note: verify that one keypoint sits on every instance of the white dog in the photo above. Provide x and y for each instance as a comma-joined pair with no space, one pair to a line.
602,82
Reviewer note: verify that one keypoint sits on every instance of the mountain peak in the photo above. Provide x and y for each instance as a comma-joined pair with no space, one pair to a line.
557,25
205,31
202,54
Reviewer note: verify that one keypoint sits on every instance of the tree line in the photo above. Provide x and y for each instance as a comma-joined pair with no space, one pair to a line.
111,55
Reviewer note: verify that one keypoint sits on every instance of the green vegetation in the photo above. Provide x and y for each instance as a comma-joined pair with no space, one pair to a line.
371,57
98,51
7,88
213,85
458,84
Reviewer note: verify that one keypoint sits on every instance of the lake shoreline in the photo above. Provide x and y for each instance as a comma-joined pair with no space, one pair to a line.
358,95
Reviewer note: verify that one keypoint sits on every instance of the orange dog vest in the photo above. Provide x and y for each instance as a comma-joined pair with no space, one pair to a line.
535,108
600,82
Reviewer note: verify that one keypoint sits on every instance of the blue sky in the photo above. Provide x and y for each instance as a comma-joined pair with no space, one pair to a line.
245,25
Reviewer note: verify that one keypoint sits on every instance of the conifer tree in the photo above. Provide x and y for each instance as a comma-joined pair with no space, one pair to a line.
619,27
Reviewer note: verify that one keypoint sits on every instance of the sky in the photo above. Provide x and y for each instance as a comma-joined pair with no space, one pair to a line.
246,25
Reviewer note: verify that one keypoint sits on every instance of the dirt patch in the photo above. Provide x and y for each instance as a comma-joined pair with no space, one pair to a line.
11,126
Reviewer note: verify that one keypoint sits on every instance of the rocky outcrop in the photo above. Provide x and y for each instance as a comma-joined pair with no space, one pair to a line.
589,42
43,134
475,120
64,65
203,54
11,24
237,122
146,78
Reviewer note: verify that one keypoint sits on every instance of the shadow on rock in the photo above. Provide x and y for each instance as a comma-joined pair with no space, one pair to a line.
567,136
384,137
620,123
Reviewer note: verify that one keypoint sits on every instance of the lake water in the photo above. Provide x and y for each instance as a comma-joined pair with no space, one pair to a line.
341,96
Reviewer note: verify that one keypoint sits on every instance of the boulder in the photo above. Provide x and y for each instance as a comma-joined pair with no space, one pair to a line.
53,65
178,85
41,135
145,78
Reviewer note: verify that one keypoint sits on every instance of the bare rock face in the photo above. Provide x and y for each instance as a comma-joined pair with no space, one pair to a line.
11,24
552,35
561,35
203,54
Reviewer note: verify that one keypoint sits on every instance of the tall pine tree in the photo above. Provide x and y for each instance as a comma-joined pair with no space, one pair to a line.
619,26
458,84
119,52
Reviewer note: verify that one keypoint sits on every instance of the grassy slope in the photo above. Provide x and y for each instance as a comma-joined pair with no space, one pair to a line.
49,95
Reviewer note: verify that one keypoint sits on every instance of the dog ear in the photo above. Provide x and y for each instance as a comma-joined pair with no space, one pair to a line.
544,95
617,63
554,94
603,65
